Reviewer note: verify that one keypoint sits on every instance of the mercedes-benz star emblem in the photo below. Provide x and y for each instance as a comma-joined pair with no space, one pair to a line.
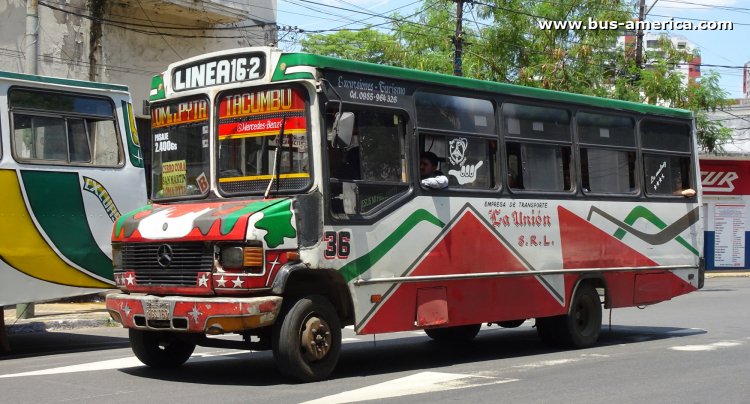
164,255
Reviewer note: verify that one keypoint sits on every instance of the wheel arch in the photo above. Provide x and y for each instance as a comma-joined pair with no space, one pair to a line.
597,281
297,280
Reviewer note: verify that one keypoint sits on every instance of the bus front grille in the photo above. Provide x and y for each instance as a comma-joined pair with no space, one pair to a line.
173,264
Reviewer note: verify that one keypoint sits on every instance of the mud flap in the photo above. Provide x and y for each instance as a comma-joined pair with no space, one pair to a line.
432,307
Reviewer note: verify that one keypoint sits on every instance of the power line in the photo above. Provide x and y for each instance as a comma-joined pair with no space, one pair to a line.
130,26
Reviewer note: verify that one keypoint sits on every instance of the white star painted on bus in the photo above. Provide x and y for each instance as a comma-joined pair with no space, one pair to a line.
238,282
221,282
126,309
131,279
195,313
203,281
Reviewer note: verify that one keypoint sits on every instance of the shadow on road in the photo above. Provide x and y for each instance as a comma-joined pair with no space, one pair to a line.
54,343
362,359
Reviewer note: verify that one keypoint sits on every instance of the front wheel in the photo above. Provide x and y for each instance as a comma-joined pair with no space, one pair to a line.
159,349
307,339
578,329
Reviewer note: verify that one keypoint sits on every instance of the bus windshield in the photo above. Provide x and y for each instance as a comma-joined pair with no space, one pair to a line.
180,165
252,125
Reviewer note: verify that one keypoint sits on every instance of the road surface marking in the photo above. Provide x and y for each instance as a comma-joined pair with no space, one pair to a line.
425,382
542,364
121,363
709,347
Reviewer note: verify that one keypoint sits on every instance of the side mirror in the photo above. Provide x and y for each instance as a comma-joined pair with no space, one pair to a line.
343,128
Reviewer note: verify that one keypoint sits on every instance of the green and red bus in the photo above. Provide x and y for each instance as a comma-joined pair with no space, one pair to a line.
287,204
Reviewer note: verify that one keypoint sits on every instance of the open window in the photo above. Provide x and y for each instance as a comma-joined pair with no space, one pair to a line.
666,158
369,170
460,133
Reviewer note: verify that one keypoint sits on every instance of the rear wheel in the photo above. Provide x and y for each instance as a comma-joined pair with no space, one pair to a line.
160,349
461,333
578,329
307,339
512,323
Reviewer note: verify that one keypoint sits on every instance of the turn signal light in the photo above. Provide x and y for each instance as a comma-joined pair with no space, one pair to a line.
253,257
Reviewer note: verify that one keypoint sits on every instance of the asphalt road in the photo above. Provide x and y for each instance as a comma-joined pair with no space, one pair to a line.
693,349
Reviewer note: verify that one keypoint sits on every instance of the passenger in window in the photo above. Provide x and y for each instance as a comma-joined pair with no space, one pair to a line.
431,176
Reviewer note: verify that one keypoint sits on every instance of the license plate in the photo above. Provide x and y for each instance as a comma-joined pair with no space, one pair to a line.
157,310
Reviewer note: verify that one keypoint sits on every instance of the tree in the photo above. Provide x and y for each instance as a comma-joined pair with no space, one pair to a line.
506,41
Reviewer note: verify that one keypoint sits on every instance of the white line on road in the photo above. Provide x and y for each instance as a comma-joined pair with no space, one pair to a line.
708,347
121,363
425,382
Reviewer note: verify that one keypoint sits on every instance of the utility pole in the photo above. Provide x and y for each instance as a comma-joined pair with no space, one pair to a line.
32,36
458,39
26,310
639,35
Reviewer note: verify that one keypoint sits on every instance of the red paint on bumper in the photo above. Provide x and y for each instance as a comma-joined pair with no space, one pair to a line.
194,314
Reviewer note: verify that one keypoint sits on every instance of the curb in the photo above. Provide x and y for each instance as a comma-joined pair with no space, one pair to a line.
725,274
56,325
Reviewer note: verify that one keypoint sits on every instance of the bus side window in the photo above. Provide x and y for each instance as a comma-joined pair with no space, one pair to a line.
368,172
666,157
538,149
45,130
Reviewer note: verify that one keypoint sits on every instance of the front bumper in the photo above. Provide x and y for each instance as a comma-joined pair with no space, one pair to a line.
208,315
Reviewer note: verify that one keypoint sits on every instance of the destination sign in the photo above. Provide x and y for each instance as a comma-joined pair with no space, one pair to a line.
217,71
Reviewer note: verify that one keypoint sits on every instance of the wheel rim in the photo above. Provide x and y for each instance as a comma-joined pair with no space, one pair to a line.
315,338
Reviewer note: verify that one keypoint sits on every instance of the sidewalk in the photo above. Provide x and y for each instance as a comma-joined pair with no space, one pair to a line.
58,316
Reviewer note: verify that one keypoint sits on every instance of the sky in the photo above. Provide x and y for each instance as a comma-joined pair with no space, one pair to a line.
723,48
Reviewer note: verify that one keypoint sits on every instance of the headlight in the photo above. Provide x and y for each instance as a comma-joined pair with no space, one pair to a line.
246,258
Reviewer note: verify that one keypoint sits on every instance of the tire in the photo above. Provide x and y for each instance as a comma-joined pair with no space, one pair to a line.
160,349
307,339
578,329
512,323
461,333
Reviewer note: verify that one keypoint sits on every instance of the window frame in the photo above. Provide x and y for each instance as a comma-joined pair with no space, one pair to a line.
421,131
580,145
214,105
65,116
688,154
574,164
390,204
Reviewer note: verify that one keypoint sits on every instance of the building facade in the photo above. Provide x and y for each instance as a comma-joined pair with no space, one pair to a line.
125,41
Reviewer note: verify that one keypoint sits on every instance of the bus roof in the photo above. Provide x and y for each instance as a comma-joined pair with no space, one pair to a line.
326,62
62,81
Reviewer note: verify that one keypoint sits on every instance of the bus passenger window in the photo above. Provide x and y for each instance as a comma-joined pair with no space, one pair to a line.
45,132
538,149
666,157
607,153
467,161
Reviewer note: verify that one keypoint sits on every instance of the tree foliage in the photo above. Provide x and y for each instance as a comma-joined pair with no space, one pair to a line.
503,41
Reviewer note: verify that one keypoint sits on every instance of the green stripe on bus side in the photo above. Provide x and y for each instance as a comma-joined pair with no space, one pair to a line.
325,62
365,262
60,81
133,149
641,212
57,204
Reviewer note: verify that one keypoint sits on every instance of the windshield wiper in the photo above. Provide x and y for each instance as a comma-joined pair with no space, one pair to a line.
277,159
